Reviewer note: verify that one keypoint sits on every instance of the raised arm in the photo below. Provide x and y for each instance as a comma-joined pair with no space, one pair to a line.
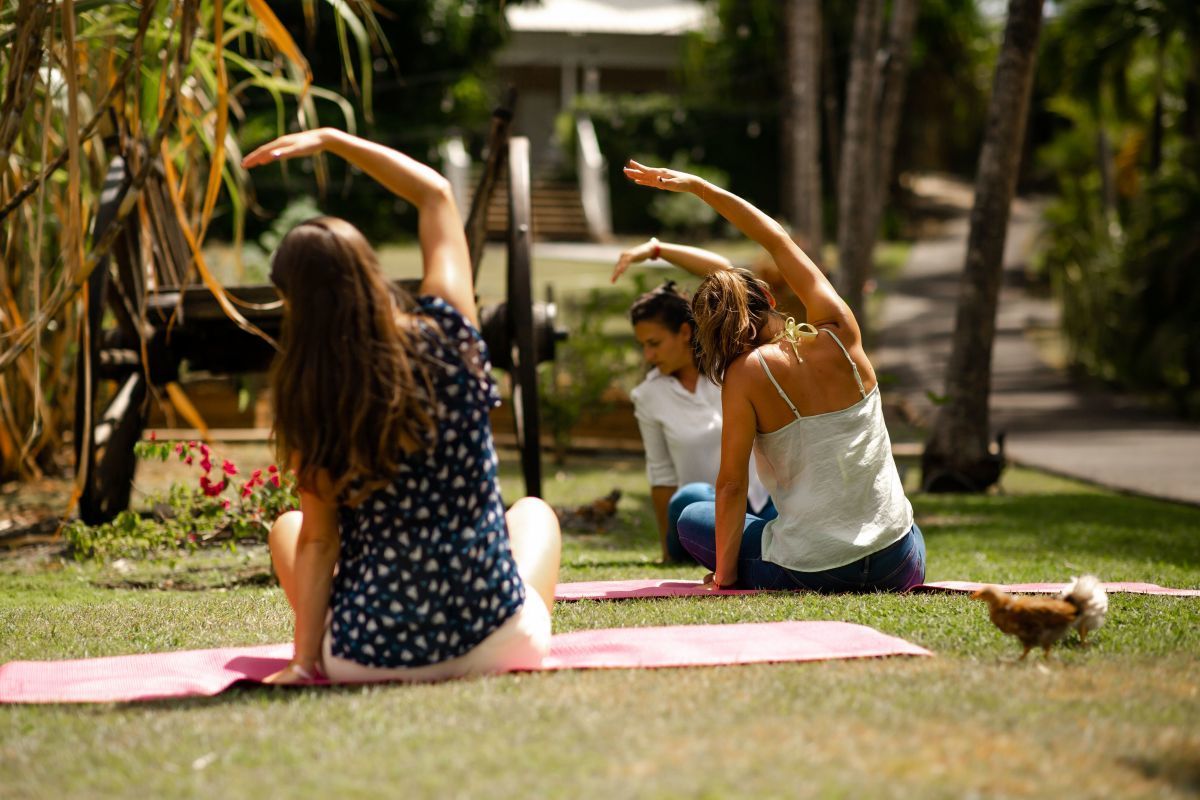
811,286
696,260
446,262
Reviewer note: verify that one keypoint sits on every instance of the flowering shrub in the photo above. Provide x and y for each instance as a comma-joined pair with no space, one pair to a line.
222,506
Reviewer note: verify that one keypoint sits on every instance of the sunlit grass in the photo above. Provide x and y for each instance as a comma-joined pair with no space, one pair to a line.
1117,719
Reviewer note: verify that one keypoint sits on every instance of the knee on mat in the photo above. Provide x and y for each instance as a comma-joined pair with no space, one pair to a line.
688,494
287,523
533,514
695,524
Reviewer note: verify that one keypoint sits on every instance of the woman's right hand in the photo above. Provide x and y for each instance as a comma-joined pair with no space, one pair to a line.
669,180
292,145
634,255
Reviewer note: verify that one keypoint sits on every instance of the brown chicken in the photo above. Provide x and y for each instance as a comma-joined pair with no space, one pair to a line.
590,516
1036,621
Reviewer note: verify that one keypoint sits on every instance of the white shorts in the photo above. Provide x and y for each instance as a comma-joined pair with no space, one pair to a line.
520,643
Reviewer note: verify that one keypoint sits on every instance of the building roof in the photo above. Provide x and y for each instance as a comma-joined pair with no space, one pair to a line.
648,17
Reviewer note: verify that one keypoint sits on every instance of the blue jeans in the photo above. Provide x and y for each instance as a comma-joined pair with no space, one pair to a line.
698,493
896,568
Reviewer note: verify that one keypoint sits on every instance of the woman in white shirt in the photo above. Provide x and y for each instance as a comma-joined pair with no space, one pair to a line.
678,410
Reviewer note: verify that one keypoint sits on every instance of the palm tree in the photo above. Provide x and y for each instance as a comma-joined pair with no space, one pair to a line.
874,100
893,81
860,132
804,122
956,455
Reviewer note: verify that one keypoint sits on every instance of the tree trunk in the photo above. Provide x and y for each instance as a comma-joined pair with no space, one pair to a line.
804,124
1104,159
893,83
859,133
830,108
956,455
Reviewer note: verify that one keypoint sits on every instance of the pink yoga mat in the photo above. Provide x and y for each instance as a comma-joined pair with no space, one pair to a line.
203,673
624,590
1112,587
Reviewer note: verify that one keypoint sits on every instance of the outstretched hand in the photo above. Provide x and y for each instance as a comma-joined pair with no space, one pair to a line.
634,255
661,178
293,145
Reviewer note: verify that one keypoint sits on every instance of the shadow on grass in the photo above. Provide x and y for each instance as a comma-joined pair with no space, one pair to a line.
237,694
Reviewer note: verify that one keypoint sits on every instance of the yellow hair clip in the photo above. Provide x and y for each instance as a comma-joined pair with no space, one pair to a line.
793,332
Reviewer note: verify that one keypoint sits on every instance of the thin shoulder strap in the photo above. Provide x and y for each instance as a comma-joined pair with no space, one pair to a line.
778,388
853,366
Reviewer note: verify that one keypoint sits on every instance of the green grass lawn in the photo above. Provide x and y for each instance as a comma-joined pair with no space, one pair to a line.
1119,719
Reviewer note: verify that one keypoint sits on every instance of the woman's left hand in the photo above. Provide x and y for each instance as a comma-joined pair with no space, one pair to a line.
295,672
661,178
293,145
634,255
711,584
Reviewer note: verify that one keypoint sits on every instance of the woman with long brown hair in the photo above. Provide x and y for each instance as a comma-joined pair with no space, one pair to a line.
805,399
401,563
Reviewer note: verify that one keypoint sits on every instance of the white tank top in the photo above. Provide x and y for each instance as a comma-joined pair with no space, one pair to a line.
834,481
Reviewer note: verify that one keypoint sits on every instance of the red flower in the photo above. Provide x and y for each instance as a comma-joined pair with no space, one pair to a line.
204,451
247,489
153,436
211,489
228,467
188,461
272,469
179,448
225,504
275,480
256,475
206,464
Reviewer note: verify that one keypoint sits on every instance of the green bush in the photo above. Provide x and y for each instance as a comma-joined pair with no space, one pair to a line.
665,130
216,510
1127,276
591,362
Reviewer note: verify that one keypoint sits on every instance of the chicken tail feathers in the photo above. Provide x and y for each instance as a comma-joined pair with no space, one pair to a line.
1087,594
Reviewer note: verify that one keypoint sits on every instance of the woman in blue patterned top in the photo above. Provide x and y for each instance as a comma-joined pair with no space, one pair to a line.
401,562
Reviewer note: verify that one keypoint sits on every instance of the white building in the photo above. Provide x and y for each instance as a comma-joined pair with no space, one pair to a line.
559,48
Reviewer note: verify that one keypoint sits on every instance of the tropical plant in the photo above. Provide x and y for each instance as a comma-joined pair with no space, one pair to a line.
591,362
1122,240
158,84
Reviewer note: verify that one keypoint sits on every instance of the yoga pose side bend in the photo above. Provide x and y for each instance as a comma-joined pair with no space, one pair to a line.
401,562
678,410
805,399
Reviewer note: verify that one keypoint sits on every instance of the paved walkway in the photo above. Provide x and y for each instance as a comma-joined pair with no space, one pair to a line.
1050,423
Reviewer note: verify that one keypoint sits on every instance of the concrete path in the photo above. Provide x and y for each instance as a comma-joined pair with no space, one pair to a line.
1050,423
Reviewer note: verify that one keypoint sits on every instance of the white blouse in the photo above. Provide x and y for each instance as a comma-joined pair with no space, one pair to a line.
681,432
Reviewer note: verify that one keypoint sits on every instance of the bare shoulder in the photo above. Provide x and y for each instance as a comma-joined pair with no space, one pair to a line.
740,371
842,324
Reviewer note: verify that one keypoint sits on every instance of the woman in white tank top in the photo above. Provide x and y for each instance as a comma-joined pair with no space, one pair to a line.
805,400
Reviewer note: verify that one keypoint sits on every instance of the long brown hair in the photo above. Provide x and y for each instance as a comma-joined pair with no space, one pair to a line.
350,393
731,308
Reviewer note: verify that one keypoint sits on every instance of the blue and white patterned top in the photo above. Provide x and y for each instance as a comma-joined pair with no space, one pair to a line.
425,571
